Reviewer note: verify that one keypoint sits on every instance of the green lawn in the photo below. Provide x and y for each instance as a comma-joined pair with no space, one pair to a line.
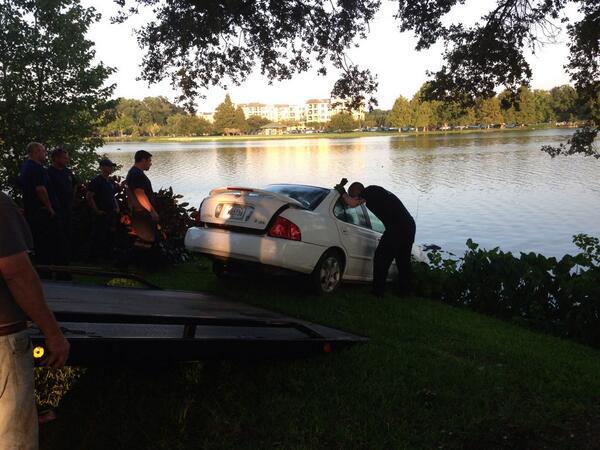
432,376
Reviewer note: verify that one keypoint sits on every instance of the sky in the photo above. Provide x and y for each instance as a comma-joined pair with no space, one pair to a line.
388,53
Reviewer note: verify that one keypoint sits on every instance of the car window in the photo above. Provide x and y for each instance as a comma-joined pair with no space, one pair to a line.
355,216
309,196
376,224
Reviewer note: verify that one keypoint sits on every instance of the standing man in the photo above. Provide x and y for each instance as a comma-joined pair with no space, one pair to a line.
21,296
398,238
41,204
63,183
101,198
140,197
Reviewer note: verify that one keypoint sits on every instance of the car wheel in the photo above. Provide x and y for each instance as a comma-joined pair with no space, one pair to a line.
220,269
328,273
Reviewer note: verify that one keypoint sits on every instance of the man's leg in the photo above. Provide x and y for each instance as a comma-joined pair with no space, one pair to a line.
18,414
404,263
40,224
384,255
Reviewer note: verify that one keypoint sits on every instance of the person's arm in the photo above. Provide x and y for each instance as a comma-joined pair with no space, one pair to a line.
90,199
26,288
42,194
351,201
143,200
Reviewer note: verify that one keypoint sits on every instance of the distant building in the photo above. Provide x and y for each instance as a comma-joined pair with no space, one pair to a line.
314,110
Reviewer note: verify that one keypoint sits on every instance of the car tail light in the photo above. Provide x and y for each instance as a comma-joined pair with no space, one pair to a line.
197,218
285,229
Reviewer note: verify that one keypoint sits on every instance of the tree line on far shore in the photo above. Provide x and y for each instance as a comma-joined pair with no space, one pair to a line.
157,116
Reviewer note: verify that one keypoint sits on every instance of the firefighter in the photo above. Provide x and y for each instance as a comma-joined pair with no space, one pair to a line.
140,198
41,205
63,184
398,238
101,199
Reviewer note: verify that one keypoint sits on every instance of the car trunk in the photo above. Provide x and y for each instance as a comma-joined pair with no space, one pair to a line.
244,209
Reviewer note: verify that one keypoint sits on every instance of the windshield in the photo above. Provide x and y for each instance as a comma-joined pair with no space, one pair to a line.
309,196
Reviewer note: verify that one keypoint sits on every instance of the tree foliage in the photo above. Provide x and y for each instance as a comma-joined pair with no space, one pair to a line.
342,121
228,117
254,123
51,90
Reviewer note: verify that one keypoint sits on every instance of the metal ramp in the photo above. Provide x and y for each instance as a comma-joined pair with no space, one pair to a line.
134,325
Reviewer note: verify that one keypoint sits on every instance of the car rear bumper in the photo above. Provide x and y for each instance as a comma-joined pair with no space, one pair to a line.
292,255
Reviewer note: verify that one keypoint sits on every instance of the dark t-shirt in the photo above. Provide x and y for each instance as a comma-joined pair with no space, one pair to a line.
137,179
33,175
388,208
15,237
104,193
63,183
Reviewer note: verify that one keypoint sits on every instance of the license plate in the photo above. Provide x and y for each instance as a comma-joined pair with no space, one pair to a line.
234,212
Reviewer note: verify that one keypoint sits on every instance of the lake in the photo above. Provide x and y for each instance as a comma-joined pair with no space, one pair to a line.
497,188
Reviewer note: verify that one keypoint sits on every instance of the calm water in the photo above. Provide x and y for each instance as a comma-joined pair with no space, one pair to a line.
497,188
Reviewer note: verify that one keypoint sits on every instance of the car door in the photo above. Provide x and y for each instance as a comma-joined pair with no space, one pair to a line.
358,240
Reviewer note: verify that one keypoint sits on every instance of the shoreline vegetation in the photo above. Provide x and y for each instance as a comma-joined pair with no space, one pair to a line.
339,135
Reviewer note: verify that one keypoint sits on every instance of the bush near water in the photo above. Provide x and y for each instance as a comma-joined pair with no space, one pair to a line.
560,296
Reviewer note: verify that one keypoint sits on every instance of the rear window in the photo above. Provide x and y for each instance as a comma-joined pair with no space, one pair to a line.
309,196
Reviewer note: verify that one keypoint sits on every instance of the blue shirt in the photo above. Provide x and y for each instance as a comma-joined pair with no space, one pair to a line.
63,184
104,193
32,175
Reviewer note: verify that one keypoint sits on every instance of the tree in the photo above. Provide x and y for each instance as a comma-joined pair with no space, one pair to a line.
563,100
488,112
402,113
202,44
182,124
525,106
51,90
342,121
228,117
543,106
254,123
377,118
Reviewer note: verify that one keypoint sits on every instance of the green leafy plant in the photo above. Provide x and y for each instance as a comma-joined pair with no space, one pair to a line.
561,296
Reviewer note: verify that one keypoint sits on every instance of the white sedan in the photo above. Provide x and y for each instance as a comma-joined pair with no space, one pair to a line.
300,228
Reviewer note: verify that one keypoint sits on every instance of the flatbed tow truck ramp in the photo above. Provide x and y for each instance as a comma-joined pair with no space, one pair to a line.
150,325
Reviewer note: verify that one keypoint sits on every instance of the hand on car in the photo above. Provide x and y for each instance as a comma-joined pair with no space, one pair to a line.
58,351
340,188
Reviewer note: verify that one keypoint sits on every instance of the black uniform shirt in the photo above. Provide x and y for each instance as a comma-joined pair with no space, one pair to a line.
137,179
388,208
32,175
15,238
104,193
63,182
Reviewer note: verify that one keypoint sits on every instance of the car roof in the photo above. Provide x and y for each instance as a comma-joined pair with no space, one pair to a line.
299,185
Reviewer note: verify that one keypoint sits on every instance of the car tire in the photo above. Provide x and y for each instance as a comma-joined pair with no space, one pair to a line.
220,269
327,275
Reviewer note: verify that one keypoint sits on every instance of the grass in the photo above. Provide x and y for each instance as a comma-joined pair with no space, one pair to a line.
352,134
432,376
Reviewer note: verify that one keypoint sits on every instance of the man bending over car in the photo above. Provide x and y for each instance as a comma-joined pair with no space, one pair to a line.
398,238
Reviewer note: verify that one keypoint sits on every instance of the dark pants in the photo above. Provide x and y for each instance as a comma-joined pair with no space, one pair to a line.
394,244
46,237
64,237
103,236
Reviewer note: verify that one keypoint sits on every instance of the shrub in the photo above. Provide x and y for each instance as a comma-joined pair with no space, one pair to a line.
558,295
175,218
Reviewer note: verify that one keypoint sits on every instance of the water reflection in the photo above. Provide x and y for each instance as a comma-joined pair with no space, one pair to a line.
497,188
